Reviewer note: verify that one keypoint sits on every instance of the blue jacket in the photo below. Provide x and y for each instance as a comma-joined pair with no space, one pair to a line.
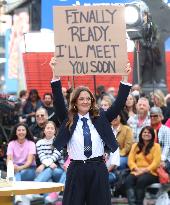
101,123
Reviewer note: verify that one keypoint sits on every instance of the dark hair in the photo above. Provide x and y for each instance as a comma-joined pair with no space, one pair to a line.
94,110
22,93
28,136
50,94
134,104
123,117
141,142
33,91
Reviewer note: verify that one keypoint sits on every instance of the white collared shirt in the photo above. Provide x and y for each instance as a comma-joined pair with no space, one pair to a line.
75,146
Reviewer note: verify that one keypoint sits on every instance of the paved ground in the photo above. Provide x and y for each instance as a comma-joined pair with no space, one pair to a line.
118,201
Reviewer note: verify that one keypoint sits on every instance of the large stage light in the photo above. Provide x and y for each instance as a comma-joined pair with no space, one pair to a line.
134,12
132,15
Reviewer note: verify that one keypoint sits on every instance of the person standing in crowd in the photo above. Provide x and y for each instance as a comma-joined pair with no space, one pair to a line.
106,102
141,118
159,101
144,159
85,130
111,91
32,104
162,136
48,105
23,95
130,106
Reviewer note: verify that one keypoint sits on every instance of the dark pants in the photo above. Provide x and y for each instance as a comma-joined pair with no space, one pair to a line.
139,184
87,184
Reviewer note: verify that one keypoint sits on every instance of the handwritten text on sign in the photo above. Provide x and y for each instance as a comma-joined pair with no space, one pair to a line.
90,40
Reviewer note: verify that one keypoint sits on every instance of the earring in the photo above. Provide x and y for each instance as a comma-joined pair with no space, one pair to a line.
74,107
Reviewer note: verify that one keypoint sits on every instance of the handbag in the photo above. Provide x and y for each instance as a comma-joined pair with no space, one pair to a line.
163,175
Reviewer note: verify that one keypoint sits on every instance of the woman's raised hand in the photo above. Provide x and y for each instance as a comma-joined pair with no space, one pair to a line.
128,70
53,63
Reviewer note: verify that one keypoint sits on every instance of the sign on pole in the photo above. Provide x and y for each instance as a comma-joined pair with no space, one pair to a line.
90,40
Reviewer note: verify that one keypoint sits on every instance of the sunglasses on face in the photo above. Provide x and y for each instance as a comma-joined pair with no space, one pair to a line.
154,116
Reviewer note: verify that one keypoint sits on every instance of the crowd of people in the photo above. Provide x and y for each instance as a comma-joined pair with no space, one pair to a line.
128,130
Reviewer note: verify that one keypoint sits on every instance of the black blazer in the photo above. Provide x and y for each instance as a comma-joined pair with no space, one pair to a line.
101,123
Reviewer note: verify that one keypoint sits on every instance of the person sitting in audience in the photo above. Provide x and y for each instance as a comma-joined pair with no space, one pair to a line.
143,161
112,161
21,150
52,197
37,129
162,134
168,123
141,119
50,167
124,137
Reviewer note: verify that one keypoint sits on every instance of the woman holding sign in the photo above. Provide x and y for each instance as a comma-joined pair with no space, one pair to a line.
86,130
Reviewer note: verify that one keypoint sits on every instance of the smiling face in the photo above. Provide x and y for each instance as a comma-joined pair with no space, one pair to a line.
21,133
41,116
146,135
83,103
49,130
155,119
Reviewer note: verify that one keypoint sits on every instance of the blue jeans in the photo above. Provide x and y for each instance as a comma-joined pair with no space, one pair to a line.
63,178
123,163
44,176
27,174
57,173
49,174
112,178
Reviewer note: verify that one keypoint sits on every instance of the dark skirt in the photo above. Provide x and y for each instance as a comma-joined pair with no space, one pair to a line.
87,184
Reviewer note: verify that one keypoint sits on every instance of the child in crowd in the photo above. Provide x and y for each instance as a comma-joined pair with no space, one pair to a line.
50,168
